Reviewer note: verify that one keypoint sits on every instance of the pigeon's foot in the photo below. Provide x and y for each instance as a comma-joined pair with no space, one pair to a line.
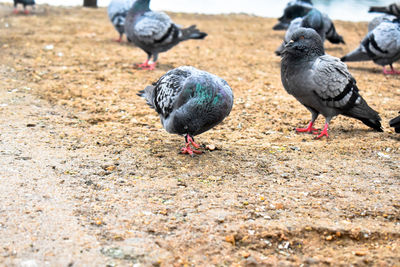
323,133
118,40
15,11
392,71
187,149
309,129
26,12
147,66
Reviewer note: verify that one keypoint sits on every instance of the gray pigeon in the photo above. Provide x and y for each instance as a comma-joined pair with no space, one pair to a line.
294,9
317,21
25,3
395,123
381,45
378,20
322,83
189,102
392,9
154,32
117,10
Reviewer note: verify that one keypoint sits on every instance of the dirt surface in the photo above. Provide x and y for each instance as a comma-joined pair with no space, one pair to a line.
90,178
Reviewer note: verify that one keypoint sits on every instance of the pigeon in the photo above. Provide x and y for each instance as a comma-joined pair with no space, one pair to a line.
154,32
395,123
117,10
378,20
25,3
316,20
189,102
381,45
294,9
392,9
322,83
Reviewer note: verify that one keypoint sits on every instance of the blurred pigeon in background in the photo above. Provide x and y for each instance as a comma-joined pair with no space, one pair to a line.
294,9
317,21
117,11
392,9
381,45
154,32
322,83
25,3
189,102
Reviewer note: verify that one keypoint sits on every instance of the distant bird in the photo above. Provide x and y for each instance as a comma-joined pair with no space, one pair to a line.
392,9
381,45
189,102
117,11
317,21
25,3
395,123
378,20
294,9
322,83
154,32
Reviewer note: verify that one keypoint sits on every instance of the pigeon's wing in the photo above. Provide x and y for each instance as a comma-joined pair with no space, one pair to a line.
333,83
383,41
153,27
395,123
167,90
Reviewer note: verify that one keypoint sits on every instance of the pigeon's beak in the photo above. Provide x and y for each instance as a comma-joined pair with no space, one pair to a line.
289,44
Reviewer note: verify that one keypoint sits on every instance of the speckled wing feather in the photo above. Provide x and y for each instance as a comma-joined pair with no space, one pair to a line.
335,85
154,27
167,89
378,20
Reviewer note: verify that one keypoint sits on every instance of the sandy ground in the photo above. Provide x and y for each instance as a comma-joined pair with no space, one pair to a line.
90,178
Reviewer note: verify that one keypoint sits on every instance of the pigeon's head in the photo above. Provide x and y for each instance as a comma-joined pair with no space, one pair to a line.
305,42
141,5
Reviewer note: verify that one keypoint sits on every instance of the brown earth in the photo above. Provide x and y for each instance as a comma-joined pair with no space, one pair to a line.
90,178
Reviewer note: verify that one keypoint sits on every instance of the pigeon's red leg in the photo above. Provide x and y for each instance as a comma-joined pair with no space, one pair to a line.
144,65
119,39
324,132
187,149
309,128
15,11
392,71
26,11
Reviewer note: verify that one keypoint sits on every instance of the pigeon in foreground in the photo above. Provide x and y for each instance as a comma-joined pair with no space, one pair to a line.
294,9
392,9
189,102
117,10
395,123
381,45
154,32
317,21
378,20
322,83
25,3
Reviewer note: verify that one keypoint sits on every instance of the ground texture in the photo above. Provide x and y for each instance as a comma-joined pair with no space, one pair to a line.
88,177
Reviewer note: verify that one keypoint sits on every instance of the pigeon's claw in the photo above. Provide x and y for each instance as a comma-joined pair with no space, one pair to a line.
190,140
147,66
323,133
392,71
188,150
15,11
309,129
26,11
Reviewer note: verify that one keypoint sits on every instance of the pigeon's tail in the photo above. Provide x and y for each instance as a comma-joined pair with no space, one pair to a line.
356,55
333,36
393,9
395,123
366,114
148,94
192,33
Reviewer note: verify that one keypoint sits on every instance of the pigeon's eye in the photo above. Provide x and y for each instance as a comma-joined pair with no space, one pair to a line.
301,37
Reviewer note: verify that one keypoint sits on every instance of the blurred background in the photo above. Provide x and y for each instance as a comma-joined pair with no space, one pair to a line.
351,10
